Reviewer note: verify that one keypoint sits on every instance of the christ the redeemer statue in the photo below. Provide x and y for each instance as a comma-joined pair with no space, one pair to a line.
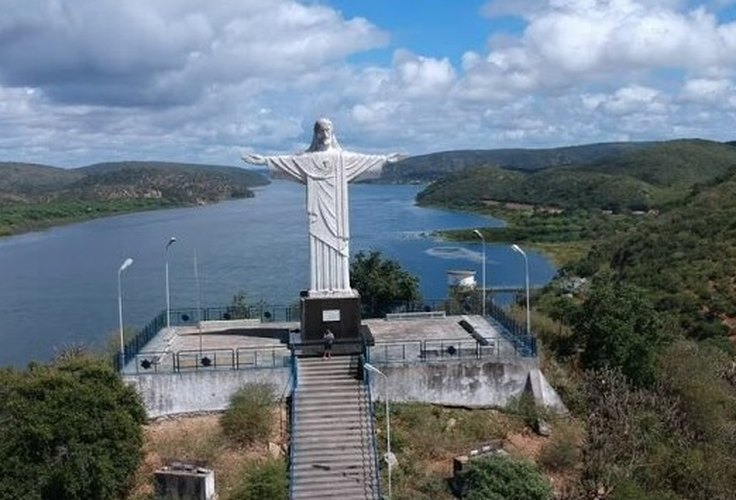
326,169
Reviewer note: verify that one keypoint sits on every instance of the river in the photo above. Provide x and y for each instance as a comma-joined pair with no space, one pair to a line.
59,287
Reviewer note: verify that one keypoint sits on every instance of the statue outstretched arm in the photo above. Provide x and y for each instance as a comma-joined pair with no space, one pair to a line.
394,157
254,159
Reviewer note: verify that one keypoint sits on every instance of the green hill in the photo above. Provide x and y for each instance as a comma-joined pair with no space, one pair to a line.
686,259
426,168
21,182
648,177
38,196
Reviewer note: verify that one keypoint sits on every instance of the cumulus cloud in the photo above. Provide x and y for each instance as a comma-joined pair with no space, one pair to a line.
190,80
167,52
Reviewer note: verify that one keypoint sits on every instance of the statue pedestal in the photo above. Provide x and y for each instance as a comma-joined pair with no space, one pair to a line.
340,312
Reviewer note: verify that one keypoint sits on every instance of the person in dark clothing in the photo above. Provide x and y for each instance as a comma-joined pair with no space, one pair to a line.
328,338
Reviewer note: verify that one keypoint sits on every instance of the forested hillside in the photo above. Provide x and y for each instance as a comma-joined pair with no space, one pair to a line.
649,177
37,196
685,259
430,167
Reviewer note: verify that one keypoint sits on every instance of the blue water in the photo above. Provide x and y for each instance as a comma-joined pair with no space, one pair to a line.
59,287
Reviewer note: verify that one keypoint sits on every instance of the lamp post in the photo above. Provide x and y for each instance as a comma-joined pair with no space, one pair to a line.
127,263
518,249
168,293
480,235
389,457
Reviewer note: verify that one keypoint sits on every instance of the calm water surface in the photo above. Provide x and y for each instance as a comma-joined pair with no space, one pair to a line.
59,287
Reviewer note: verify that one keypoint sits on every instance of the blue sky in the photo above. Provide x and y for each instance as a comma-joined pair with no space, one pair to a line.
86,81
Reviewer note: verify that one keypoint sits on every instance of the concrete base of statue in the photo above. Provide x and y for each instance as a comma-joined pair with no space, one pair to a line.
338,311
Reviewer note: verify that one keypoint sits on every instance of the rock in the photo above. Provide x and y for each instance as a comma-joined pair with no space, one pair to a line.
450,424
542,428
274,450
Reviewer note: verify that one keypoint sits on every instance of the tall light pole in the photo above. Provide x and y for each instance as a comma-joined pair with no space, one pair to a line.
517,248
127,263
480,235
389,457
168,293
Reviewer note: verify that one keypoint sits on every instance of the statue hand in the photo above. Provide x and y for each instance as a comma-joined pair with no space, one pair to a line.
253,159
394,157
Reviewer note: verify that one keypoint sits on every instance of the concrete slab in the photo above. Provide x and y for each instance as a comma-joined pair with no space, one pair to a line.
420,329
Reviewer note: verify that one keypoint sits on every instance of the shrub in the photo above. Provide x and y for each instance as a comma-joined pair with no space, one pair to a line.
69,430
248,418
266,479
497,478
561,452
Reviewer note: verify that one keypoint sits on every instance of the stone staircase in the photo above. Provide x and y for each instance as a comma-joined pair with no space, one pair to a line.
333,454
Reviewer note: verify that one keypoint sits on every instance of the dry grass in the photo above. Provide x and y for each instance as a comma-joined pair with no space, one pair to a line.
426,438
199,439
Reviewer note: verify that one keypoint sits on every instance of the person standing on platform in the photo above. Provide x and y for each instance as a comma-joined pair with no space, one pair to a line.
329,339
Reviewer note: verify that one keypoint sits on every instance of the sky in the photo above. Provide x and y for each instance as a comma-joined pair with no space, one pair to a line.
86,81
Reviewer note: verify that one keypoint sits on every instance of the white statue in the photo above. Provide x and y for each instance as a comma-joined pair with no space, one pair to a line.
326,169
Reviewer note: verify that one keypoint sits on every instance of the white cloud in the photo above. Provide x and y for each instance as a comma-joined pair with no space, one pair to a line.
191,80
140,52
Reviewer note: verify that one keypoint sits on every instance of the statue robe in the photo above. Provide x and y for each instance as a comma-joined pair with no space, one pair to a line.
326,175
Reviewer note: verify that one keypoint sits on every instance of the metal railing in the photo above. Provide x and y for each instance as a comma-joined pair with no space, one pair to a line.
512,330
423,351
293,417
508,326
242,358
365,358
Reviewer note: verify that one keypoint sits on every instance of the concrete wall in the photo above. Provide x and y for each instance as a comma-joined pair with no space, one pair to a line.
471,382
171,393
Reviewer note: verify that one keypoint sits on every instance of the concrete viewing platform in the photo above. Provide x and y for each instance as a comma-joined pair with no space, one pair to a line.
251,343
465,360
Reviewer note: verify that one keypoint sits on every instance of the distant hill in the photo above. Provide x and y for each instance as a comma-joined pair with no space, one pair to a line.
23,182
426,168
38,196
178,183
648,177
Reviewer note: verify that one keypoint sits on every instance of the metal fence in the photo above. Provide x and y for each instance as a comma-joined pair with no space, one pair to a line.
242,358
511,329
422,351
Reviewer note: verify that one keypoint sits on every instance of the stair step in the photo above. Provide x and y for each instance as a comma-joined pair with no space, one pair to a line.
332,453
333,492
354,426
346,464
306,446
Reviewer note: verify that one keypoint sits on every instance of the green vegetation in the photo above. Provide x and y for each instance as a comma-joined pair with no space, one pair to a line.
617,326
433,166
35,196
382,284
69,430
261,480
497,478
23,217
648,177
248,418
638,328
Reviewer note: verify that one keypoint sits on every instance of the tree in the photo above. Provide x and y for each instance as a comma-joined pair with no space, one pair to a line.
70,430
618,327
382,283
498,478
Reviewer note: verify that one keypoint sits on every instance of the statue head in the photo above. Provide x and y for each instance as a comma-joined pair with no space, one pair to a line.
323,138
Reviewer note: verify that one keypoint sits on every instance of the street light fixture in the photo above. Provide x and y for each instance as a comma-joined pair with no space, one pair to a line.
389,457
480,235
127,263
518,249
168,293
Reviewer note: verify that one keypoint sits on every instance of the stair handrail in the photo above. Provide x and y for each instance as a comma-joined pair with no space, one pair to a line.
292,426
365,358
